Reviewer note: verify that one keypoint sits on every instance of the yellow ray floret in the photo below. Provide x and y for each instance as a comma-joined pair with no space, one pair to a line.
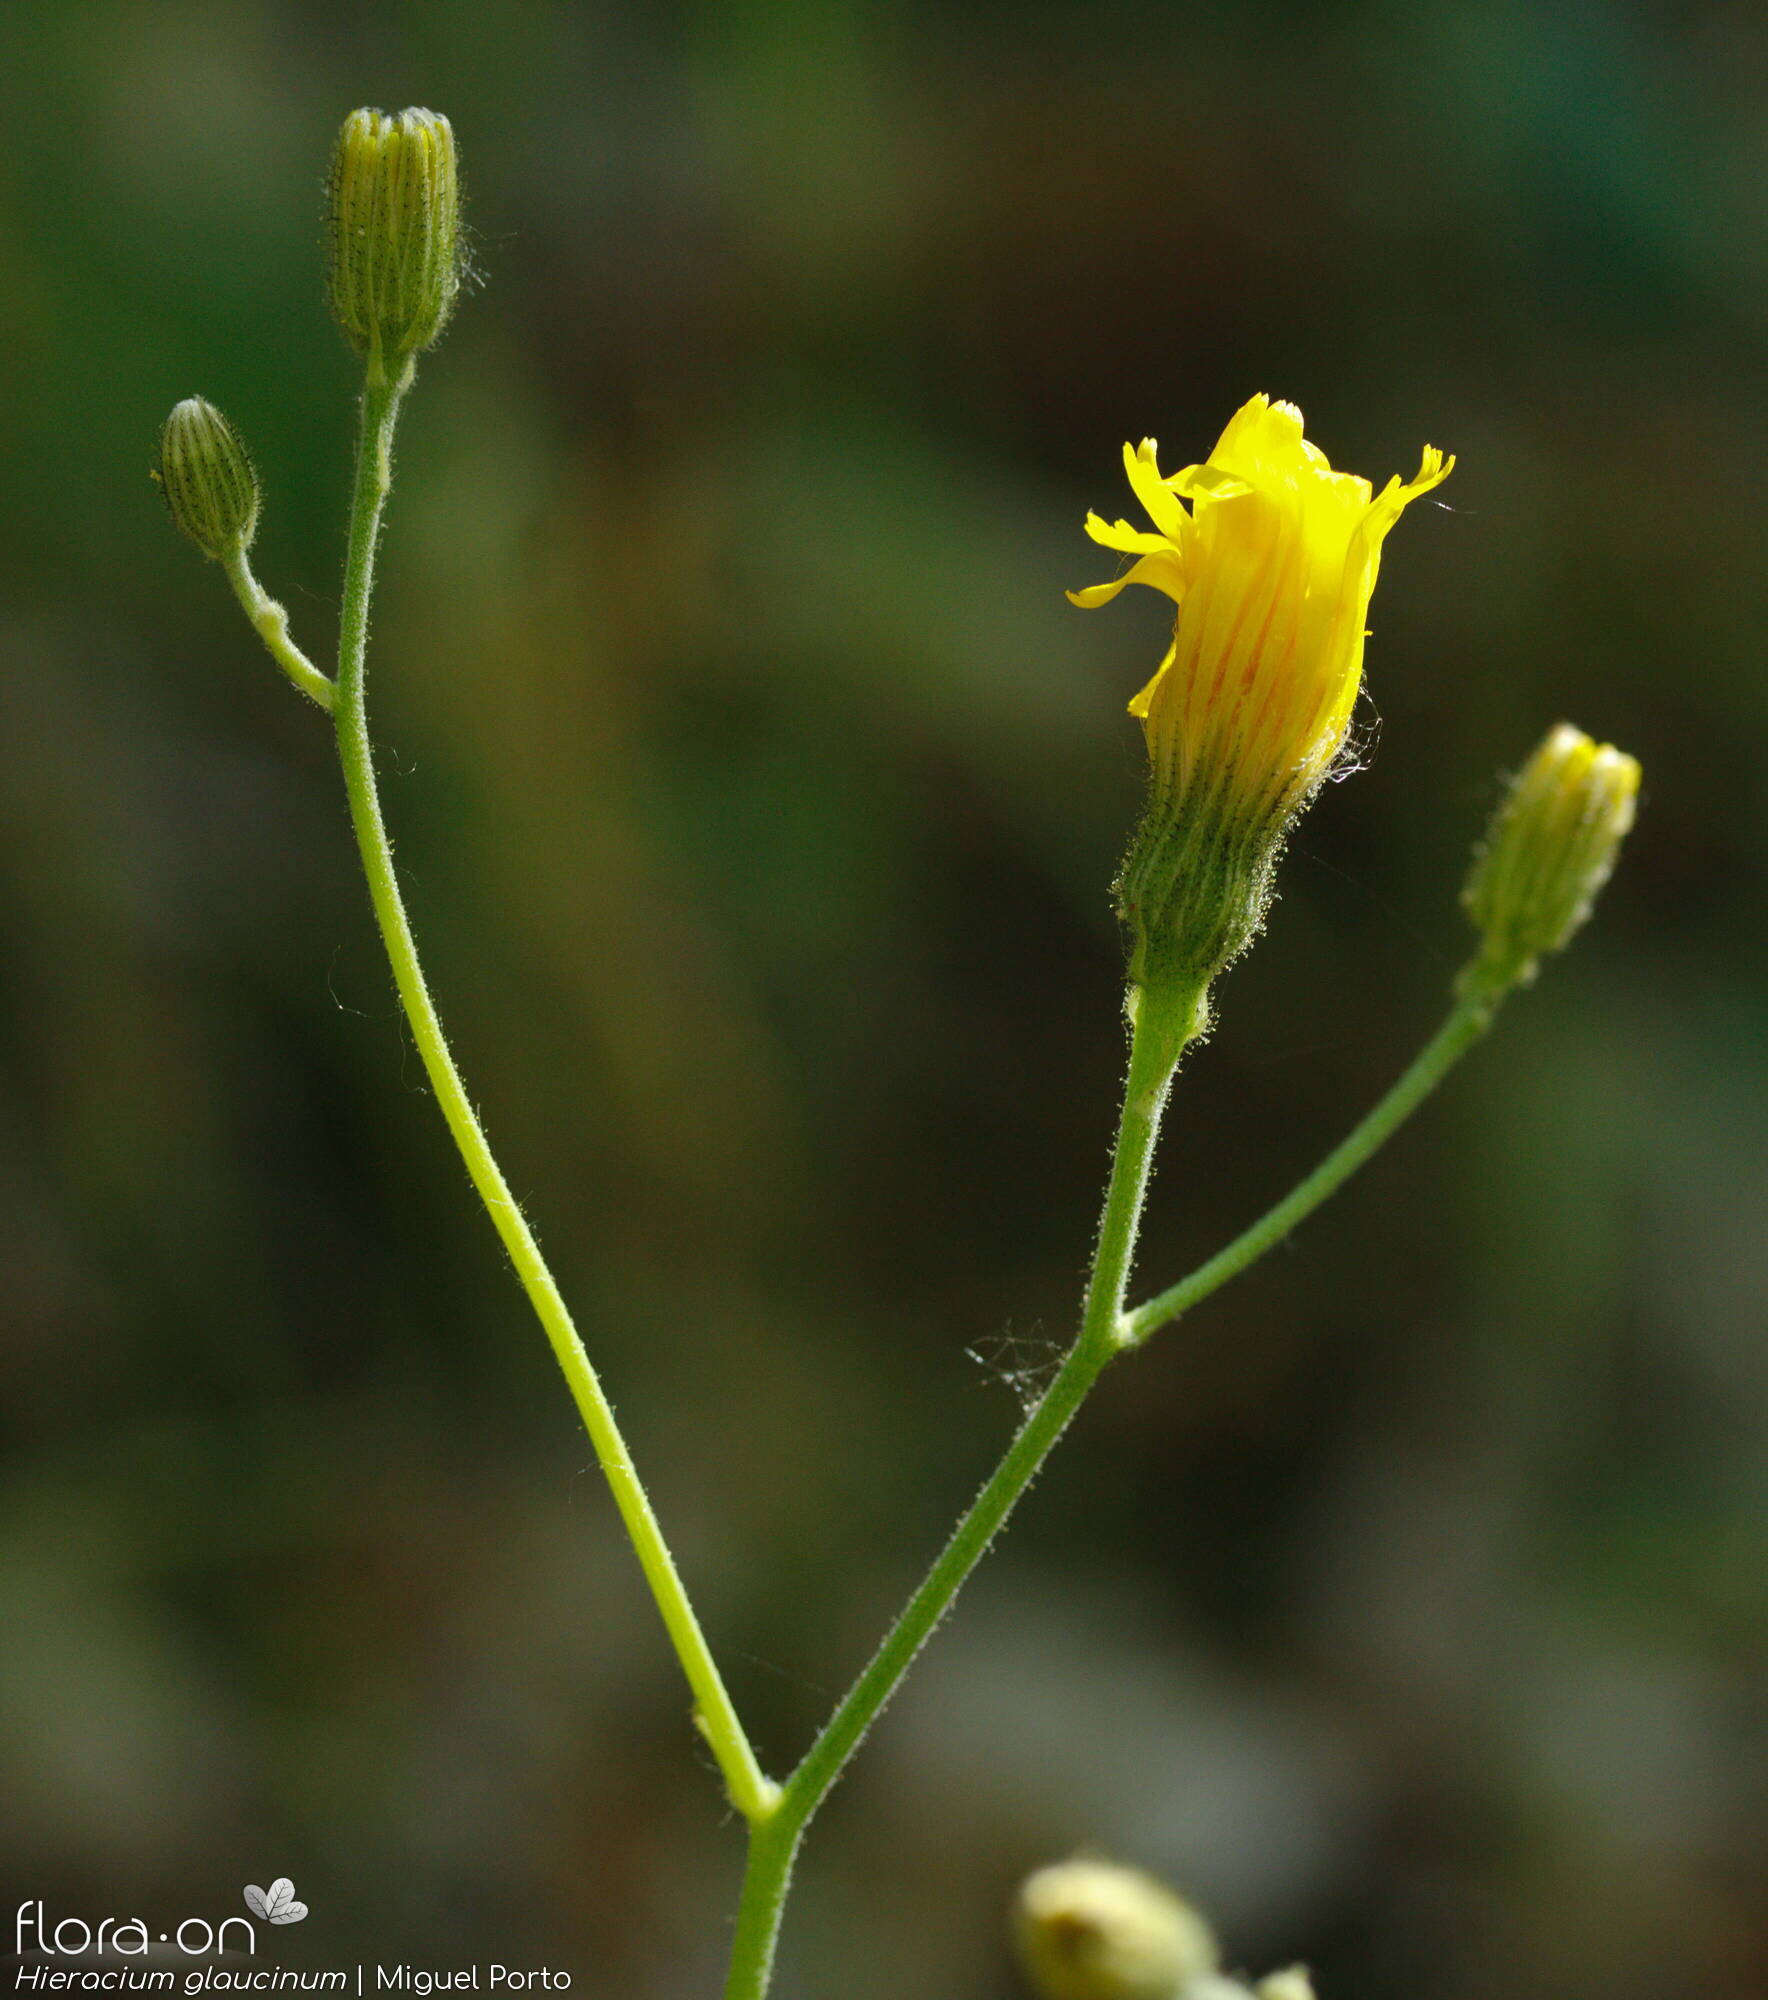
1272,570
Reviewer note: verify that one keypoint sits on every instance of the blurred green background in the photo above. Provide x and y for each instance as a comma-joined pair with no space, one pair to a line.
758,794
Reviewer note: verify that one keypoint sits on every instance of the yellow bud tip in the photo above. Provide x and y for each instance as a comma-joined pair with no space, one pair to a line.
206,474
1551,846
394,202
1091,1930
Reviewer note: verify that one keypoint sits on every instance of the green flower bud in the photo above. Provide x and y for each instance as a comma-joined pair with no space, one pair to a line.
395,234
206,475
1551,846
1090,1930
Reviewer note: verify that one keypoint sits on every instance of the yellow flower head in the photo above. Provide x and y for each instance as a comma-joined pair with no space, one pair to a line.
1272,571
1271,558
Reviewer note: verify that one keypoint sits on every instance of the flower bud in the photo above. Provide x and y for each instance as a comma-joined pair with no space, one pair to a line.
207,477
1090,1930
1292,1984
395,234
1551,846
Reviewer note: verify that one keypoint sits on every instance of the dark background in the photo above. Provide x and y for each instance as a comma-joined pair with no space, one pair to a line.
758,794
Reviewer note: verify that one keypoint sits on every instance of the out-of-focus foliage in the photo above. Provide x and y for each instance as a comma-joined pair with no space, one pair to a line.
759,795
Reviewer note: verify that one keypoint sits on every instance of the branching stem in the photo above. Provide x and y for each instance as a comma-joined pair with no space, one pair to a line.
1466,1024
1106,1331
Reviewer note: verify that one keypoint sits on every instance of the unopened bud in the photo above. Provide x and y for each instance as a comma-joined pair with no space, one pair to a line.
1551,846
1292,1984
207,477
1090,1930
395,234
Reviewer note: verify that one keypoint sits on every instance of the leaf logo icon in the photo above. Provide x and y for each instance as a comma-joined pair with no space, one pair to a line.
276,1905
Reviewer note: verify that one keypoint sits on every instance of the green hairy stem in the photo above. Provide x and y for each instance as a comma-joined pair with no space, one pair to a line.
751,1792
